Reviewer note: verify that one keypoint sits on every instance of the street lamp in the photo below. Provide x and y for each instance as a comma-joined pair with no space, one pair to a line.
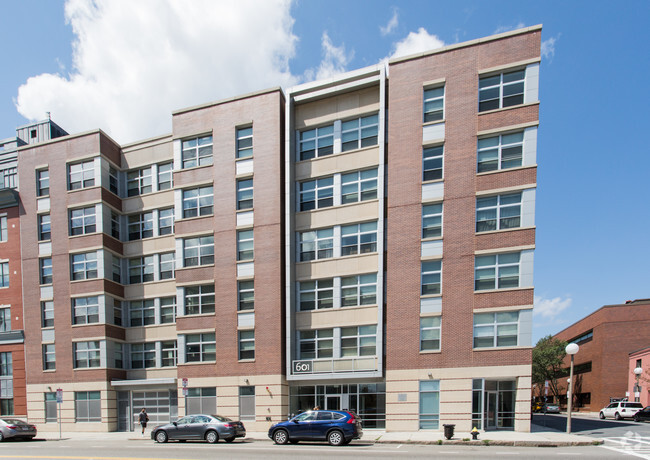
637,371
571,349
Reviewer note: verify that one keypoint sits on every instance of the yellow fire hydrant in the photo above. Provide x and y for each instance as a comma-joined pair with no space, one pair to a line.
474,434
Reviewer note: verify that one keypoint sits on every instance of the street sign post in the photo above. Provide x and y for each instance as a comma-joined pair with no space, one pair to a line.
59,401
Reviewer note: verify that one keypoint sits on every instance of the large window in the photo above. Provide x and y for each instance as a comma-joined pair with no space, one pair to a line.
317,244
246,345
5,319
113,180
143,355
359,290
197,152
245,194
198,201
82,221
168,350
316,142
359,186
142,312
6,384
198,251
359,341
498,212
85,310
86,354
317,344
316,294
4,274
247,403
3,229
496,329
49,357
317,193
499,271
499,91
432,220
434,104
139,181
359,133
430,333
115,225
245,245
244,142
81,175
200,348
167,310
165,221
140,226
432,163
165,176
44,227
199,299
431,277
201,401
46,270
50,407
42,182
47,313
141,269
429,404
359,238
88,407
500,152
167,265
246,295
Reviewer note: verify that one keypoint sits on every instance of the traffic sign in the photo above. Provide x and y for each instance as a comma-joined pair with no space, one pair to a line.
184,391
184,382
59,395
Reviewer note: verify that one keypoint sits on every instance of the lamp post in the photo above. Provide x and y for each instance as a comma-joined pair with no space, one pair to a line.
571,349
637,391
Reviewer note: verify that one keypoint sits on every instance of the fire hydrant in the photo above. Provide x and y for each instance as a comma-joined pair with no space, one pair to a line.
474,434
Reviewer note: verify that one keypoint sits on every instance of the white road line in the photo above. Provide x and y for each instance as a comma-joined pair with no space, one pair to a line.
626,451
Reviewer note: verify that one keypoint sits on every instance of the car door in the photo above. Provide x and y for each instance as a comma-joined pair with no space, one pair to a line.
324,421
610,410
197,427
300,426
181,428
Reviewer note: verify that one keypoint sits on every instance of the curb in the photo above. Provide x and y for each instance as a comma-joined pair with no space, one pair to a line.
488,442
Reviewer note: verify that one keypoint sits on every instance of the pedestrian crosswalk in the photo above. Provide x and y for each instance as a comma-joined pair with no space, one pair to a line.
631,444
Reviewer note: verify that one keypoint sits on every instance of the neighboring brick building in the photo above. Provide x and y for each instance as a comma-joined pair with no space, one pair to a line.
282,250
606,338
639,359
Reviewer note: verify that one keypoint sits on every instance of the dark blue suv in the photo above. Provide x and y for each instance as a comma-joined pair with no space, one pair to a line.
334,426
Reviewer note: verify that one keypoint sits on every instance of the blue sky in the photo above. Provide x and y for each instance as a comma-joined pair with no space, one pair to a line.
123,66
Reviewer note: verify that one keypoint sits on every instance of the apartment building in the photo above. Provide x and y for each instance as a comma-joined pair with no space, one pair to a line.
363,242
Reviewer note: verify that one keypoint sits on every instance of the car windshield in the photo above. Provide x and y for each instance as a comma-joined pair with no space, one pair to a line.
222,419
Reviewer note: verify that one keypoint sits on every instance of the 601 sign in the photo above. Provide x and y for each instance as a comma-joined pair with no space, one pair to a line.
302,367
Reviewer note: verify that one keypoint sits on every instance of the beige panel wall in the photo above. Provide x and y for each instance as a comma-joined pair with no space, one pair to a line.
150,290
341,162
337,267
151,333
148,152
340,317
149,246
149,201
343,106
337,215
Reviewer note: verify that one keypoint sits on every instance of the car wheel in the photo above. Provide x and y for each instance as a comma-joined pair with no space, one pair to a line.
335,438
617,416
211,436
281,437
161,437
602,416
2,437
293,441
229,439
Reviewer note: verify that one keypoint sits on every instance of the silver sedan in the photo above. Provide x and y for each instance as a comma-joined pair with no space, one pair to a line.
210,428
15,428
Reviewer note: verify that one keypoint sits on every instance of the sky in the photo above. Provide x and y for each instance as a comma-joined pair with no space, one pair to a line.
124,66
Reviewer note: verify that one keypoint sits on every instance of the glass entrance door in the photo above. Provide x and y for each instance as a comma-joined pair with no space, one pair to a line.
491,412
333,402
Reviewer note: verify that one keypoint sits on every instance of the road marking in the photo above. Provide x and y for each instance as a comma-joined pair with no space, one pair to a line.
627,451
86,457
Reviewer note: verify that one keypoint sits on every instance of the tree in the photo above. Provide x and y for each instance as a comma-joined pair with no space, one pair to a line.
548,357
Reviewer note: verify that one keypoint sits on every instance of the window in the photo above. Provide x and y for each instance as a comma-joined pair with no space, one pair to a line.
499,91
86,354
498,271
82,221
42,182
168,310
4,274
80,175
317,294
199,299
360,132
201,401
139,181
47,313
6,384
429,404
246,295
142,312
118,355
115,225
317,344
8,177
498,212
317,244
500,152
359,186
117,269
359,238
88,406
3,228
113,180
432,220
430,333
143,355
434,104
359,341
84,266
198,201
246,345
46,270
244,194
85,310
140,226
117,311
247,403
317,194
141,269
49,357
317,142
165,176
245,142
245,245
198,251
496,329
200,348
165,221
431,274
359,290
197,152
432,163
167,265
168,350
44,227
5,319
50,407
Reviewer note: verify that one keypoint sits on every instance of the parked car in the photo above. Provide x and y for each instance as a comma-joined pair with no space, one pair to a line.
537,406
15,428
620,410
550,408
210,428
642,415
336,427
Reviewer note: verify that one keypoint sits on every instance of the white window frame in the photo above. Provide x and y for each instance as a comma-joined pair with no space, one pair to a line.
322,340
165,175
316,193
358,341
503,84
139,181
202,346
46,273
4,274
432,215
140,226
429,420
141,269
245,295
167,266
196,151
116,225
507,149
83,407
490,212
431,276
142,312
83,220
502,267
143,355
244,142
85,310
165,221
47,313
246,344
113,180
198,251
167,309
42,182
168,353
245,245
430,333
500,322
359,186
361,131
316,142
245,194
321,243
433,103
205,299
433,158
361,288
49,357
319,292
198,202
5,319
357,239
87,354
81,175
3,229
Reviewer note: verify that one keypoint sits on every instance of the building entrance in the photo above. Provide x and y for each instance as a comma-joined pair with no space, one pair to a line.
493,404
161,407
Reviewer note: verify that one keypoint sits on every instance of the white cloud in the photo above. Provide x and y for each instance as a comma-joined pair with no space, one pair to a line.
502,29
550,308
392,24
548,47
136,62
416,42
335,59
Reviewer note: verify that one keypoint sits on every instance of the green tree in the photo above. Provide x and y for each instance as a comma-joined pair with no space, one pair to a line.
548,357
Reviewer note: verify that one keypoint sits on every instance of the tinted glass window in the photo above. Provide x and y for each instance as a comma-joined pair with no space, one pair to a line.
325,416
